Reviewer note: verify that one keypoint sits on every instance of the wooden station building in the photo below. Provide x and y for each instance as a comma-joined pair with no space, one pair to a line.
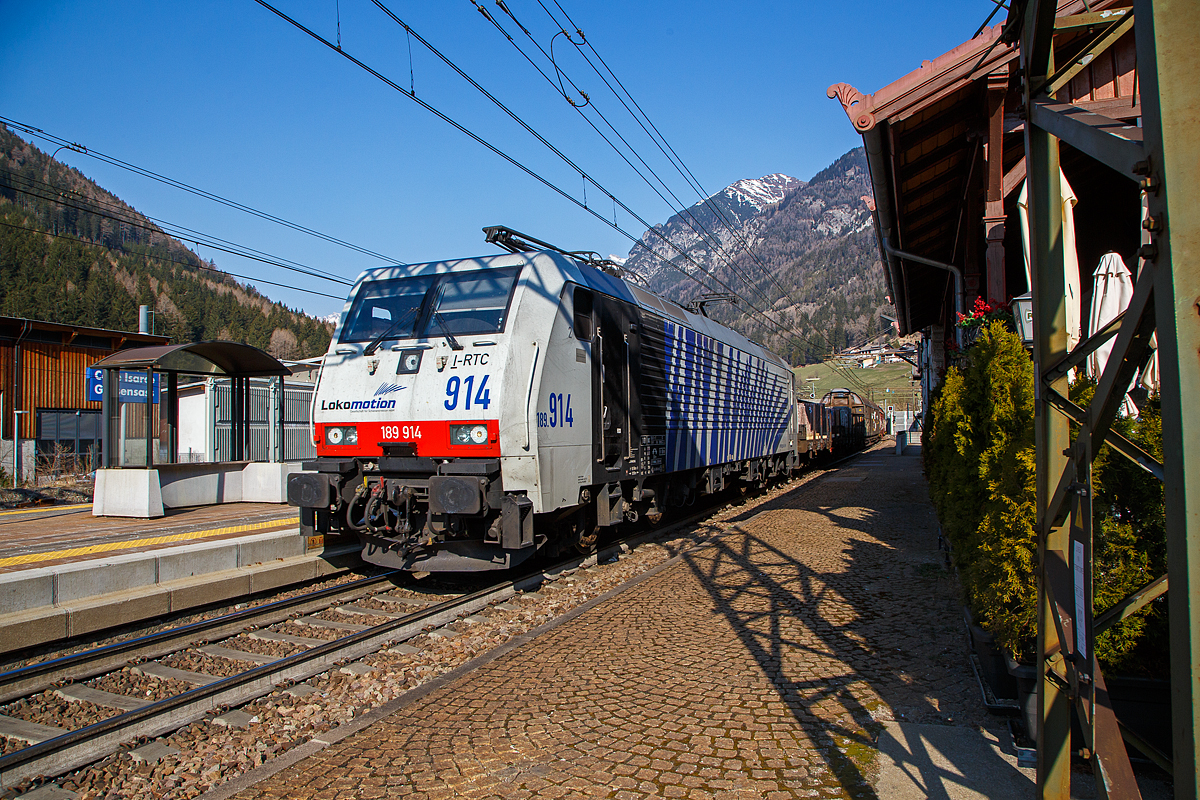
44,397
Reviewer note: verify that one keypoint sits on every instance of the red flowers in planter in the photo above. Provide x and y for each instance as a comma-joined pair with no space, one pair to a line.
983,312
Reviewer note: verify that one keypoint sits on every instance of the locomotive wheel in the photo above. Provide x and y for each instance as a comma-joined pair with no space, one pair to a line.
587,544
586,532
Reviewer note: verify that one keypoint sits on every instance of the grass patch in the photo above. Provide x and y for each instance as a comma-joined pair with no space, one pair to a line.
887,384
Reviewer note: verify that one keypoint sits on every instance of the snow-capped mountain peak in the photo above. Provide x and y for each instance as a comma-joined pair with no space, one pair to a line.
761,192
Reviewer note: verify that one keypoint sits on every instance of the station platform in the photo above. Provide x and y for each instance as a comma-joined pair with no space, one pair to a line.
810,647
65,573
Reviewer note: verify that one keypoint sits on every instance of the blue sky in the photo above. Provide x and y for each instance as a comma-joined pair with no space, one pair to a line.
226,96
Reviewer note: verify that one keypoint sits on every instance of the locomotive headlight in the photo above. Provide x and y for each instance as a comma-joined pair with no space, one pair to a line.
344,435
468,434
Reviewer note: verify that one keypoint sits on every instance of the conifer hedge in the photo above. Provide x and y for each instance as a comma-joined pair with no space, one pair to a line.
979,459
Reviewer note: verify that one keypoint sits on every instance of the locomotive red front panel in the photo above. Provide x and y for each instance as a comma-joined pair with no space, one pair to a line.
436,438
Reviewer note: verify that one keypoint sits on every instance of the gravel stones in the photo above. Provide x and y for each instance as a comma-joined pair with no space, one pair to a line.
50,709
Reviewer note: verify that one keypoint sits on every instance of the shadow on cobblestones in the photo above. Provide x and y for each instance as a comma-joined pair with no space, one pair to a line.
852,623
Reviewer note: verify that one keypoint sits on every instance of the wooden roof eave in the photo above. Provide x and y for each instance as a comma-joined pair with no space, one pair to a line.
928,83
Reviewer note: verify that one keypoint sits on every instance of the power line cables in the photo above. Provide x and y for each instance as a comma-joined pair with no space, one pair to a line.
523,167
678,207
78,148
201,266
119,213
411,33
657,137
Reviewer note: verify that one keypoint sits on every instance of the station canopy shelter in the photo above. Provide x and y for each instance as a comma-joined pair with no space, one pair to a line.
135,436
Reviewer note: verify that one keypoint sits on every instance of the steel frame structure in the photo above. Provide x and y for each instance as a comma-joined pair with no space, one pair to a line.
1163,156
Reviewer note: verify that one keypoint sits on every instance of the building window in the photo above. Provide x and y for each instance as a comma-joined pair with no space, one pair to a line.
68,441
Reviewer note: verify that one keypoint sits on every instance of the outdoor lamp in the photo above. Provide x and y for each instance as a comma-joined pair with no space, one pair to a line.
1022,308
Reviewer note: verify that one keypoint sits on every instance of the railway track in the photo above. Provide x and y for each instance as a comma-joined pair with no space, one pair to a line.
327,630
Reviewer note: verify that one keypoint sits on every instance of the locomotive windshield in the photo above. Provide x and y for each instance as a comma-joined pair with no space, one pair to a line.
459,303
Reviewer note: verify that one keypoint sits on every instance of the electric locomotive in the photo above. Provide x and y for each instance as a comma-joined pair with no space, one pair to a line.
470,413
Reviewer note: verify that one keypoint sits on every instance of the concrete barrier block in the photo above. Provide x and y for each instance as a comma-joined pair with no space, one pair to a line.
201,484
78,582
109,611
20,591
211,589
270,547
127,493
184,562
267,482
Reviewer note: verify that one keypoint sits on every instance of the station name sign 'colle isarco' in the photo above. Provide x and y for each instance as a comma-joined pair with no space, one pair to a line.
132,386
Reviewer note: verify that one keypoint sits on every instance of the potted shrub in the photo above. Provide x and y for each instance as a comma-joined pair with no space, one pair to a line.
979,459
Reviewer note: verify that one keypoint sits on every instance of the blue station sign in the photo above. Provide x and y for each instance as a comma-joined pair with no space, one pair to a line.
132,387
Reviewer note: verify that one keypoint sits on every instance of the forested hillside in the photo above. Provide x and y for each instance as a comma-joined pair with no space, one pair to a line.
812,265
73,253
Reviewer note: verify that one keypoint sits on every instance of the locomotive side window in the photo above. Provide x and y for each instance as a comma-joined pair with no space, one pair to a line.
463,303
582,300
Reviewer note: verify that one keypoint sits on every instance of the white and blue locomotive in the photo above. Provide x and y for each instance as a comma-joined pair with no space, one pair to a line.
471,412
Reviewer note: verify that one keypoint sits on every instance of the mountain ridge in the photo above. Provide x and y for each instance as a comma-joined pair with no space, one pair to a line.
74,253
807,261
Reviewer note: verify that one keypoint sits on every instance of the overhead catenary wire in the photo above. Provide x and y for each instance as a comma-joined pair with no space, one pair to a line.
657,135
673,157
679,207
530,172
116,162
200,266
410,32
91,206
513,115
476,137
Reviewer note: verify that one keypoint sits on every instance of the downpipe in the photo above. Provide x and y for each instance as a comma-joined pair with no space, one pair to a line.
959,297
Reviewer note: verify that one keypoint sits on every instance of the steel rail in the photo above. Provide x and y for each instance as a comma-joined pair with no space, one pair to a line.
41,675
85,745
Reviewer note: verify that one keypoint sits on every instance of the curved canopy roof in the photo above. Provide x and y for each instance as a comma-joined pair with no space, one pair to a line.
198,358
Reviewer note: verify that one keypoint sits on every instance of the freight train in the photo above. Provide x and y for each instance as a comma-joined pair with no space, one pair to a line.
470,413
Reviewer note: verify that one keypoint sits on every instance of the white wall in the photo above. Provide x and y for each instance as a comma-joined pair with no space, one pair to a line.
193,426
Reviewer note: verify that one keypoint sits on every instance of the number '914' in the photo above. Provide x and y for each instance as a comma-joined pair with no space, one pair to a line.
464,387
559,415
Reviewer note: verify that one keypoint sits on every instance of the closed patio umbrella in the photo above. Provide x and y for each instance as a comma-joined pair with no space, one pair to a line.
1112,289
1070,255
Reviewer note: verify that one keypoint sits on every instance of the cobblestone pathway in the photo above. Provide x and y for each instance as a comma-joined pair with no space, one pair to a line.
758,665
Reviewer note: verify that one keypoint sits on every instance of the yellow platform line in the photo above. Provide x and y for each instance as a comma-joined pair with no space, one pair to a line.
44,509
108,547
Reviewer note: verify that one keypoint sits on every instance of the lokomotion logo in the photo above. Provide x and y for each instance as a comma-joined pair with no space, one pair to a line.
357,405
388,388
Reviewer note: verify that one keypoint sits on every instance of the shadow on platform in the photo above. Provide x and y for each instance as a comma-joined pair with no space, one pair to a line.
884,573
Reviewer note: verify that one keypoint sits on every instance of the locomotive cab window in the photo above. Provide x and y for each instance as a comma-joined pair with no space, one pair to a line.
463,303
386,308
